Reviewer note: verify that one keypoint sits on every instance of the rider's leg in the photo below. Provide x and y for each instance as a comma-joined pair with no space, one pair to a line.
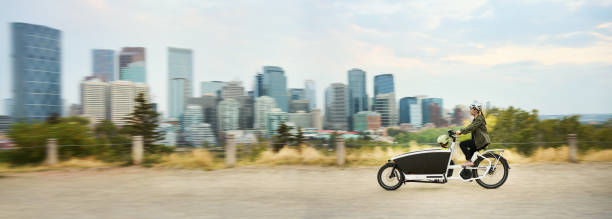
469,148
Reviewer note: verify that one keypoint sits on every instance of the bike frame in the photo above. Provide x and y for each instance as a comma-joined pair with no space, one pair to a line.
422,177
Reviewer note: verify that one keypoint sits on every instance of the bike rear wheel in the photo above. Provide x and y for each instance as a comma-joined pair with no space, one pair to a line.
496,176
390,177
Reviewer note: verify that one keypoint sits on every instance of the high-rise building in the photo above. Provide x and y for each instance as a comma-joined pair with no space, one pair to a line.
336,107
169,134
5,124
301,119
317,119
297,94
232,90
103,61
258,87
404,109
383,84
385,105
180,79
275,118
246,117
209,104
199,134
416,115
366,120
263,105
358,96
36,58
299,105
192,115
275,86
132,64
211,87
426,106
310,90
228,113
122,95
8,106
95,99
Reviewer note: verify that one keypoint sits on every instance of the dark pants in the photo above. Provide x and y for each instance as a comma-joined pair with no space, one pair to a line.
468,147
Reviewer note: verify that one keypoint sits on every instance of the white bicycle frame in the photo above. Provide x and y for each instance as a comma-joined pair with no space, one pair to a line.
449,166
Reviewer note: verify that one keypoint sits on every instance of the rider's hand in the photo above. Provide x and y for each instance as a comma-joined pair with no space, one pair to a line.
458,132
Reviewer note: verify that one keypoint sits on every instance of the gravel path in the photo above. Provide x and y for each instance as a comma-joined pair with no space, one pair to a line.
532,191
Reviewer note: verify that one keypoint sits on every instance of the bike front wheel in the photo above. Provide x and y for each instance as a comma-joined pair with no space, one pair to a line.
496,175
390,177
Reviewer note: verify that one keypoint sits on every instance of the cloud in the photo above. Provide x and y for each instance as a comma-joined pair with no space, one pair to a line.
548,55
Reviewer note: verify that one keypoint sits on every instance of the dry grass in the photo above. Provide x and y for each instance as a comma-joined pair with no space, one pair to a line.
197,159
597,156
286,155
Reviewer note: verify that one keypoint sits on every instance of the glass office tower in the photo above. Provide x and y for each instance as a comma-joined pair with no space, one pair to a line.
36,57
180,78
103,61
132,65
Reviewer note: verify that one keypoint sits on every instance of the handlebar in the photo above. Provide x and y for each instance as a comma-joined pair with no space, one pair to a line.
451,134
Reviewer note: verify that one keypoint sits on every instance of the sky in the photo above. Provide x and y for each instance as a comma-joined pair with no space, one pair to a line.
550,55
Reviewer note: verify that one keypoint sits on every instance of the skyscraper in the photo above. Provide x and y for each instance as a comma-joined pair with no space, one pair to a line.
229,113
132,64
246,115
297,94
385,105
358,97
103,61
301,119
383,84
336,107
209,104
310,91
36,57
199,134
232,89
258,89
95,99
275,86
192,115
122,95
211,87
263,105
426,106
404,109
180,79
299,105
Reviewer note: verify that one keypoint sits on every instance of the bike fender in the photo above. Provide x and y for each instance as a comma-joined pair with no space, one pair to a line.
502,159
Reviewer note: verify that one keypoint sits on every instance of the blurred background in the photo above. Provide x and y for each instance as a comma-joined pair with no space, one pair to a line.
209,85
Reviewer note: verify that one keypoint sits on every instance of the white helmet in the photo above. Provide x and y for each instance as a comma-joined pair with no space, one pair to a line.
443,140
476,106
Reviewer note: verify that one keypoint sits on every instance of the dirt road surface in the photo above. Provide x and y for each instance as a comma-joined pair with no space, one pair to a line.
532,191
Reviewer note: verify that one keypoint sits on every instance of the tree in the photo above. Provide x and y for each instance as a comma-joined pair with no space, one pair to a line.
458,116
299,138
144,122
283,136
435,115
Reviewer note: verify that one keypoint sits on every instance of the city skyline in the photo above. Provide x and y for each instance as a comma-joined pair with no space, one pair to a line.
539,65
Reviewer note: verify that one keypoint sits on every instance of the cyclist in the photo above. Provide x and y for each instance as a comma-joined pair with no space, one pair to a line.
480,135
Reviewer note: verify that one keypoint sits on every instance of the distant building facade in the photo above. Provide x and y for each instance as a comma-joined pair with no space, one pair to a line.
180,79
103,61
336,107
366,120
36,64
358,97
275,86
211,87
122,95
385,105
310,90
132,64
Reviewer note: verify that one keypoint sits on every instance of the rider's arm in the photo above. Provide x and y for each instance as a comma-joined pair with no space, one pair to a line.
470,128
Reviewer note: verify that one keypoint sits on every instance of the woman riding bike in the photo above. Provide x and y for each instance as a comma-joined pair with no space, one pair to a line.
480,135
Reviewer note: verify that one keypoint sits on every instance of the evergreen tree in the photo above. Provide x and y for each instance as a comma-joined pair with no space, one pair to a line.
283,136
299,138
144,122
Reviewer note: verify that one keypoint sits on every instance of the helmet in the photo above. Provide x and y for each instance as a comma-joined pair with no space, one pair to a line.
443,140
476,107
